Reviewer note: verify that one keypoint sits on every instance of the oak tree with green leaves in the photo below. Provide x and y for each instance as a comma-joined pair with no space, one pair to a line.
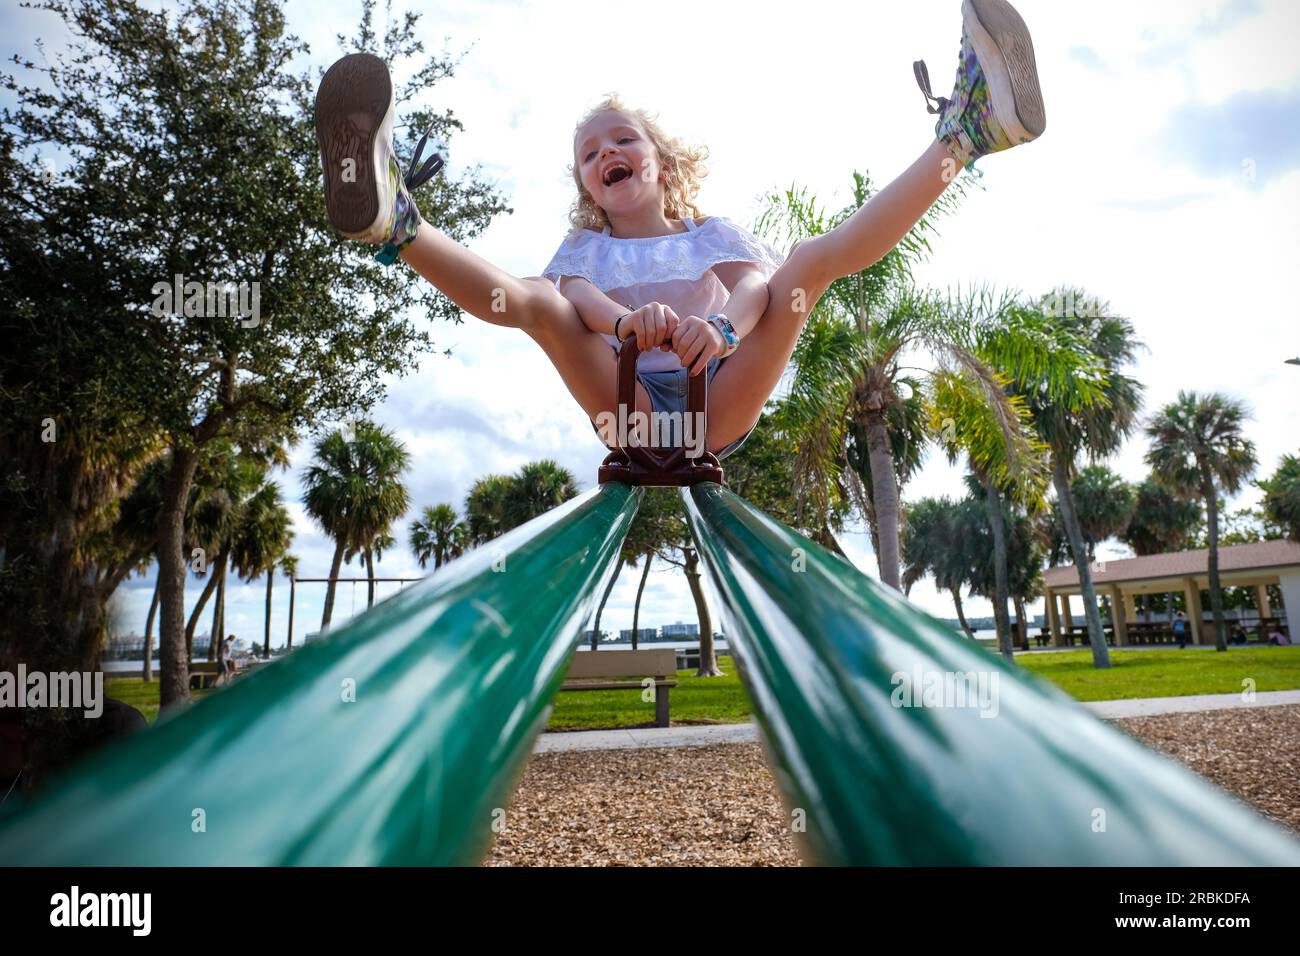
152,155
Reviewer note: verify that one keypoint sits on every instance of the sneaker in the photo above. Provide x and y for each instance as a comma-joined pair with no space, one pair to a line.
366,195
996,101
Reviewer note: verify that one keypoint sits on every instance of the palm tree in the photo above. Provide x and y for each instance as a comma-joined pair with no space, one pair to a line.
1017,577
354,491
222,483
656,521
485,507
224,477
927,545
604,598
137,521
148,631
261,541
1161,521
289,567
846,390
982,408
907,425
373,552
764,472
538,487
1024,566
438,534
1197,447
500,503
1104,504
1282,496
256,524
640,590
940,540
1093,424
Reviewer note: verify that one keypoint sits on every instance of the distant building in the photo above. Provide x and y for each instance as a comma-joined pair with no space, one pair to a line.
680,631
642,634
587,635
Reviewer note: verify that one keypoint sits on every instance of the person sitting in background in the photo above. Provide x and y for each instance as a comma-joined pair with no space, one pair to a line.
1237,635
1276,636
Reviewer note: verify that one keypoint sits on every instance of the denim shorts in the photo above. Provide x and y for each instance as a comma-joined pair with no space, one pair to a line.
669,391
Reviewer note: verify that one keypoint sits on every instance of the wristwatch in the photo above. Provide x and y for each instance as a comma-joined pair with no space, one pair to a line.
723,325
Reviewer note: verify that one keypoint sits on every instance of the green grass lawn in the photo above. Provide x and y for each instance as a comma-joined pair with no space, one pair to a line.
1167,673
701,700
722,700
143,697
705,700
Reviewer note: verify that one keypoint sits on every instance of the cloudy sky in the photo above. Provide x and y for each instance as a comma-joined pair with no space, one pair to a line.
1167,182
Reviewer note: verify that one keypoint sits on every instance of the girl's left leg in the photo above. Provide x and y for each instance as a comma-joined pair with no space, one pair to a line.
745,381
996,103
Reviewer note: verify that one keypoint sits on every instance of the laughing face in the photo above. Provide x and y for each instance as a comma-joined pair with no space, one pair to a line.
618,164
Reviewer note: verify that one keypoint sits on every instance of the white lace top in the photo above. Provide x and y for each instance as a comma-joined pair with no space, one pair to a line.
675,269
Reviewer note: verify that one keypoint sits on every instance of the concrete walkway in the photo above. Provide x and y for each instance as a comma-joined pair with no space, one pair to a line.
1151,706
748,733
647,737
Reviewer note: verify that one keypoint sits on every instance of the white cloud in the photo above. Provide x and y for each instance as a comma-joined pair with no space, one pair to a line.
805,94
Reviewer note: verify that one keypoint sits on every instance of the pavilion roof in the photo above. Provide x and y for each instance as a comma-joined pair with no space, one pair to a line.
1181,564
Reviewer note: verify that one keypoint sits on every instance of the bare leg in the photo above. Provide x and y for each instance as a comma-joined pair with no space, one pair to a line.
586,363
747,378
353,116
476,285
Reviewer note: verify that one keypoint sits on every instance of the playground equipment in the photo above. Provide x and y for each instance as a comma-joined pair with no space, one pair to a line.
853,691
398,738
294,581
395,740
637,465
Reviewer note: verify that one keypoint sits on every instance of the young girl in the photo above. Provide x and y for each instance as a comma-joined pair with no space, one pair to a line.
700,293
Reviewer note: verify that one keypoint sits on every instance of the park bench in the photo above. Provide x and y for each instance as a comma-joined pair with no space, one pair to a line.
596,670
1150,632
203,674
1079,632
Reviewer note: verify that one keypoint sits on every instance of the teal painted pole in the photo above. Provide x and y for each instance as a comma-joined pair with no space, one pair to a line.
899,742
395,740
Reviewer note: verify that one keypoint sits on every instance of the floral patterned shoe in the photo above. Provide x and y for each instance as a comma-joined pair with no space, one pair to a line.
996,102
366,195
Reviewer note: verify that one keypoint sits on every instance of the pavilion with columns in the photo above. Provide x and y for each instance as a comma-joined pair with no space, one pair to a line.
1255,565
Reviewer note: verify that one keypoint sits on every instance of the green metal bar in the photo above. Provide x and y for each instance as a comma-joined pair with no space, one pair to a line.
1022,775
394,740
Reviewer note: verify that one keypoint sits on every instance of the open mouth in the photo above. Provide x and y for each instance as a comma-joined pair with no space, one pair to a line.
617,173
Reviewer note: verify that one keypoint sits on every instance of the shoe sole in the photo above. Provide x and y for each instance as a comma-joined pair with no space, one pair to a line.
1006,54
354,120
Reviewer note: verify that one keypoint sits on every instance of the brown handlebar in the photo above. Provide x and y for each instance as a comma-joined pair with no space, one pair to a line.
638,465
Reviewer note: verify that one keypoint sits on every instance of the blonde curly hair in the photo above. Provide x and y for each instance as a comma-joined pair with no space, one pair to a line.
683,168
